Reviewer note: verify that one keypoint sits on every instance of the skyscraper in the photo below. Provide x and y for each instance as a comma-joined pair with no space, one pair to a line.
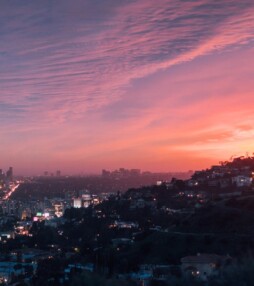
9,174
1,174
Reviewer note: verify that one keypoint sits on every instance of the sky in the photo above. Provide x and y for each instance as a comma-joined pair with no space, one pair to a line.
163,85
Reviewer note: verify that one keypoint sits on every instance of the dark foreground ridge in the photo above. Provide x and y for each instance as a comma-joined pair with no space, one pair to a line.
197,231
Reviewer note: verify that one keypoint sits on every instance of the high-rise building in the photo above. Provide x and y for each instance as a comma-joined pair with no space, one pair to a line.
9,174
1,174
105,173
58,173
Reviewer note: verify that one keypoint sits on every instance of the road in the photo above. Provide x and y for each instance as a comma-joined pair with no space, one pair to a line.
11,191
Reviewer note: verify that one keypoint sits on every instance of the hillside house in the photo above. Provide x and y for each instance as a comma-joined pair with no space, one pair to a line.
203,266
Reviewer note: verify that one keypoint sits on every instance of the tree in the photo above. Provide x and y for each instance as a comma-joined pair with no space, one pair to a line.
238,274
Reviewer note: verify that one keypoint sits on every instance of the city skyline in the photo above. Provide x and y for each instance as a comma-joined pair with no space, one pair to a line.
86,85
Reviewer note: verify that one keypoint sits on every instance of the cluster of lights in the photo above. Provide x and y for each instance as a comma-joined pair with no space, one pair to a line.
41,216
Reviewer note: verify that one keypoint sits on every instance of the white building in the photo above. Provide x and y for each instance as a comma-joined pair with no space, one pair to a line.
77,203
203,266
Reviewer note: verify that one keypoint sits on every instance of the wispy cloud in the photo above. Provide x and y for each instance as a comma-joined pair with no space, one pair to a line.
57,59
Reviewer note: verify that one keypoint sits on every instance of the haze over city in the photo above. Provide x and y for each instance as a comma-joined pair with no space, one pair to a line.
157,85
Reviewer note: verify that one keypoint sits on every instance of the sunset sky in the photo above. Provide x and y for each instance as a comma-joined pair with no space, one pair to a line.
165,85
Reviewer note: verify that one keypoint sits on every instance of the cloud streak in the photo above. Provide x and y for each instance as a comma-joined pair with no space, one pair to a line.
56,58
